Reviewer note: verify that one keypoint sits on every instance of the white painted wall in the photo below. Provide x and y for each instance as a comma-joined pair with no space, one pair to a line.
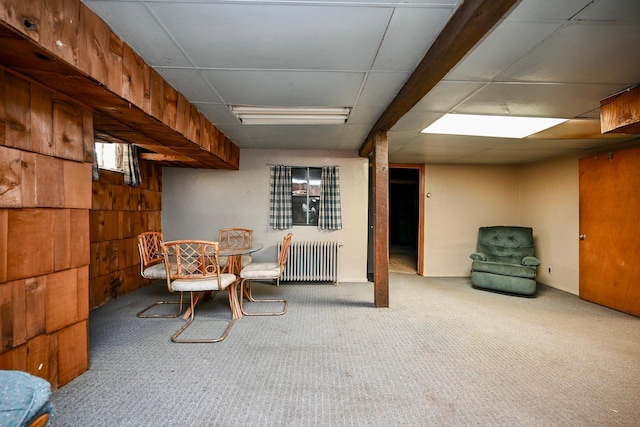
196,203
549,202
464,198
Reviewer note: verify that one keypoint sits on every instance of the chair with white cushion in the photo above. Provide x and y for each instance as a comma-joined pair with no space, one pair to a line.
194,267
264,271
235,238
152,267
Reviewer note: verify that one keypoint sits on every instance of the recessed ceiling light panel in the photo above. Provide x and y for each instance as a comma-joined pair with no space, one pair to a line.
491,126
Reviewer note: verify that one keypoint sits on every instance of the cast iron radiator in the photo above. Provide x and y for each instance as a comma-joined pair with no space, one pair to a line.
312,262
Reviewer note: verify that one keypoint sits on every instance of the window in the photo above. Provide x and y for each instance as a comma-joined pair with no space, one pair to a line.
109,156
305,195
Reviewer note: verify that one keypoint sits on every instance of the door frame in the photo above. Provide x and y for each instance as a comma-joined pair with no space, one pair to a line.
421,196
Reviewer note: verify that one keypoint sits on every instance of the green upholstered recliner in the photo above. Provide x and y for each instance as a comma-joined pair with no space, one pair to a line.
505,261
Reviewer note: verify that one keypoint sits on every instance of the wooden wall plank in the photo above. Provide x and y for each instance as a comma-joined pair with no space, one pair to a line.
68,132
114,64
60,28
63,233
80,252
24,16
38,357
11,178
73,352
36,298
30,232
4,241
17,103
41,120
62,299
83,293
49,182
29,180
94,37
77,187
135,79
2,110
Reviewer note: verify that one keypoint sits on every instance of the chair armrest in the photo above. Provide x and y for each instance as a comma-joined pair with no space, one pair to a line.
530,261
478,256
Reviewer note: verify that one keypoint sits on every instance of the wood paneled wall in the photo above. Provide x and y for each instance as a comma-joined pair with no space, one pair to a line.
46,152
119,213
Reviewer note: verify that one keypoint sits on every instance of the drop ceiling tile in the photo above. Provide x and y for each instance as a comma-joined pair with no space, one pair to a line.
446,95
408,37
502,47
365,115
537,100
381,88
217,114
153,44
276,36
612,10
415,121
190,84
583,53
494,156
286,88
547,9
457,141
555,145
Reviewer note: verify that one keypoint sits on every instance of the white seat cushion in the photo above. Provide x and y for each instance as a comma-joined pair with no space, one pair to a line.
157,271
262,270
208,284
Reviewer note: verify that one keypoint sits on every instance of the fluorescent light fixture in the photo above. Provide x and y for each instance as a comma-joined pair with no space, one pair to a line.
249,115
495,126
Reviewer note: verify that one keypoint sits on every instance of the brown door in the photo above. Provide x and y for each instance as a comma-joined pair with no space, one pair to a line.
610,230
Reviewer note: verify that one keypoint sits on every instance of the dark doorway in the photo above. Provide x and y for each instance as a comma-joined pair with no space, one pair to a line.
404,219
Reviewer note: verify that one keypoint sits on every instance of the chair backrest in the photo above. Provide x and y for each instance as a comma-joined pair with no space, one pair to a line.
235,238
506,243
284,250
150,248
192,259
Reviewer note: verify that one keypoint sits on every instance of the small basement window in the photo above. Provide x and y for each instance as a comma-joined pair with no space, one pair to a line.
305,195
109,156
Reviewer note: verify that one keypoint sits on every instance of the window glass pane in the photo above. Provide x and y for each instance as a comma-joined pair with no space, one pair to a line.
109,156
305,195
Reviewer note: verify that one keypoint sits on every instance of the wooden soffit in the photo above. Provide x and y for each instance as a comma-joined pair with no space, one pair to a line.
469,24
63,45
620,113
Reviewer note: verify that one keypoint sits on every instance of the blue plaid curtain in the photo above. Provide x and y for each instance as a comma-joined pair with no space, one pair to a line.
280,214
130,165
330,215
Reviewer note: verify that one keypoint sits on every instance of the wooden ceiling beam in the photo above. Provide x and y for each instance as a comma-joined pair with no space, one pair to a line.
469,24
63,45
620,113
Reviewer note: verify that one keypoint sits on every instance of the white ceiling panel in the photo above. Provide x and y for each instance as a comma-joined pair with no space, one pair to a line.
532,99
190,83
613,10
381,88
507,43
446,95
548,9
608,55
271,36
133,23
285,88
410,33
